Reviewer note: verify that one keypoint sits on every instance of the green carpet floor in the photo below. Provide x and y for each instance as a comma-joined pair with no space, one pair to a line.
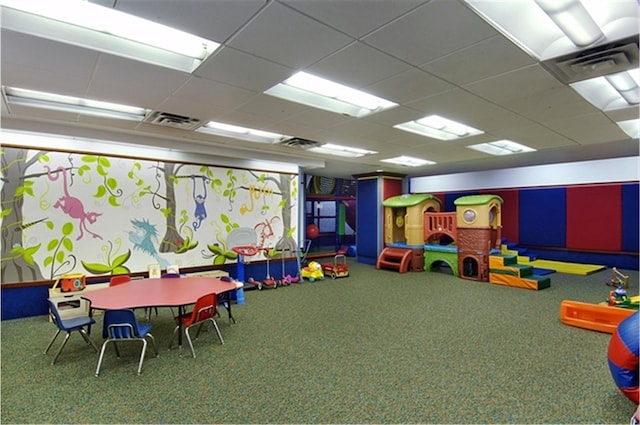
376,347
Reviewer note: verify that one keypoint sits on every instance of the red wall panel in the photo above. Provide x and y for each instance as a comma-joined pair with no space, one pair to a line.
594,217
510,214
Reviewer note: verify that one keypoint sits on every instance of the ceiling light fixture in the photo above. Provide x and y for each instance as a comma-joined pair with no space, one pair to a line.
95,27
624,83
407,161
573,19
631,127
438,127
501,147
76,105
549,29
616,91
243,133
321,93
345,151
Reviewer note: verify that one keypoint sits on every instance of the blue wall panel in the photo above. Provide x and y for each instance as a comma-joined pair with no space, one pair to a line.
630,217
24,302
367,220
543,217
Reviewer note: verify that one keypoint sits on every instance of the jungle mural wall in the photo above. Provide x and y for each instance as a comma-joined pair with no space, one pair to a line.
67,212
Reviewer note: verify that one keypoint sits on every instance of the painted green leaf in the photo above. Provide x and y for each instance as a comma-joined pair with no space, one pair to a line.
121,259
28,259
33,249
67,228
19,191
218,260
68,245
100,192
113,201
28,191
104,161
224,218
48,260
60,256
6,212
112,183
89,158
100,169
53,244
43,157
216,249
49,224
231,255
121,270
96,268
131,175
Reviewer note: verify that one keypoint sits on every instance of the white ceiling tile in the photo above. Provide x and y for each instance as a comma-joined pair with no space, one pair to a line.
431,31
214,20
408,86
493,56
352,66
134,83
241,69
284,36
347,15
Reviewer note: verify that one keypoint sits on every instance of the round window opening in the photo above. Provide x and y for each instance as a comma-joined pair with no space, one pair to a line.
469,216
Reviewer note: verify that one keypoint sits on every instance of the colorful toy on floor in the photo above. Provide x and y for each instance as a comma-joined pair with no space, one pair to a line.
623,356
337,268
619,298
312,272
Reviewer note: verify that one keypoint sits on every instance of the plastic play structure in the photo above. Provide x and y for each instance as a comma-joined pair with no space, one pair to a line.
622,355
419,237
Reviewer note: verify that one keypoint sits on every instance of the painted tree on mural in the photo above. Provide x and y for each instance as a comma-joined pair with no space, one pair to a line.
17,260
17,256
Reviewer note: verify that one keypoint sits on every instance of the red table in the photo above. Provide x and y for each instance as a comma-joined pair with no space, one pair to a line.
167,292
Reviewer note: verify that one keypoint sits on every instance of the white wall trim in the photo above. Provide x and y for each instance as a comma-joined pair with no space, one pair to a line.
572,173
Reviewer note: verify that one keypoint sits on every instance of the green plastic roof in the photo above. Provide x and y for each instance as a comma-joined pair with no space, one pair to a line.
477,199
409,200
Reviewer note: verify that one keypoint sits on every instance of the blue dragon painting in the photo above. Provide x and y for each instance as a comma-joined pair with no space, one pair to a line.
143,237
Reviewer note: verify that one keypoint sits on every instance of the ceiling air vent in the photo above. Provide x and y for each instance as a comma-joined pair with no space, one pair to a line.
297,142
172,120
595,62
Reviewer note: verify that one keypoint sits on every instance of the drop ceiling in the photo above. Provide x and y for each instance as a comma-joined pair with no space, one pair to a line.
430,57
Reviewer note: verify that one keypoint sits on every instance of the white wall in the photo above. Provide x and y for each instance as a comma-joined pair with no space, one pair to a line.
585,172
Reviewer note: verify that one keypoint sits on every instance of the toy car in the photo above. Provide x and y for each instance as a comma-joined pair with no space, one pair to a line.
335,269
312,272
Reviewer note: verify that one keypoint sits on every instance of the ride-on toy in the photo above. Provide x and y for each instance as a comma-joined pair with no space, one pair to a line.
312,272
337,268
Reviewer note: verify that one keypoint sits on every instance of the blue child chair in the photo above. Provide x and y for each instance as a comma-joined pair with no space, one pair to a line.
122,325
68,325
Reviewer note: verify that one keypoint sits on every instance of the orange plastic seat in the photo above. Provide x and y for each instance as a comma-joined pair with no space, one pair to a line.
204,310
119,279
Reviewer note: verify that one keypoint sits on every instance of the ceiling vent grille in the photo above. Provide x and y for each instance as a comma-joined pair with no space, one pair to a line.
172,120
595,62
297,142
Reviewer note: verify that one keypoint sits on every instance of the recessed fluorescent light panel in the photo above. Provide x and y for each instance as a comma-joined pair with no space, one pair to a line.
501,147
242,133
337,150
320,93
407,161
95,27
615,91
76,105
552,28
439,128
631,127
